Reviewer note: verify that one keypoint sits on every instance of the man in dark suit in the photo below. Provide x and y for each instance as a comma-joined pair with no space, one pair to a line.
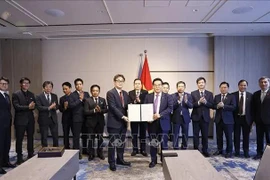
47,104
159,126
181,115
242,118
202,103
261,114
225,104
118,101
24,103
5,128
94,109
76,104
137,96
66,113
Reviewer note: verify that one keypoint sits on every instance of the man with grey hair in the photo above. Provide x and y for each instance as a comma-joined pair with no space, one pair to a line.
261,114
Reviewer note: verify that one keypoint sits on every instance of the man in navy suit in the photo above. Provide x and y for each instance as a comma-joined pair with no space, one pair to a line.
261,114
94,109
5,127
24,103
158,129
181,116
242,118
66,113
225,104
137,96
47,104
76,104
202,103
118,101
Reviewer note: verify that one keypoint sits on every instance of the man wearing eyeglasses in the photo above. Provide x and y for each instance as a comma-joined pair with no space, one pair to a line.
118,101
5,127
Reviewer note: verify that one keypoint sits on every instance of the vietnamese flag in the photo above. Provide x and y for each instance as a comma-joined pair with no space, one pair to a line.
145,76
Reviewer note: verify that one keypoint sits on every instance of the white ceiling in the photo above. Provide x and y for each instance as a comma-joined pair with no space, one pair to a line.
126,18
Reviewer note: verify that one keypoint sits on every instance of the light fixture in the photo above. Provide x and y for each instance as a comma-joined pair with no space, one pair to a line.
242,10
27,33
195,10
55,12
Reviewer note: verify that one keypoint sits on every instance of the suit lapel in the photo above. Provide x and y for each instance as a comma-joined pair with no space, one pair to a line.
45,99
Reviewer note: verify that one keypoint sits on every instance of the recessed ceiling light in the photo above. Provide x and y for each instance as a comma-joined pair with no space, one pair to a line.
195,10
55,12
27,33
242,10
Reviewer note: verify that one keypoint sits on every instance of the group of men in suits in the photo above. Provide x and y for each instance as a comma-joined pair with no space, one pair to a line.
84,117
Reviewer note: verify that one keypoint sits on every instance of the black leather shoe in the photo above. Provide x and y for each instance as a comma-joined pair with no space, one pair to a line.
152,164
144,153
246,155
112,167
9,165
228,155
217,153
133,153
206,154
91,157
237,154
258,156
2,171
123,163
101,156
84,152
19,161
30,156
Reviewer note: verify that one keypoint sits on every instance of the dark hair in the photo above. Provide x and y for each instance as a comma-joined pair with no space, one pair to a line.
200,78
137,79
264,77
76,80
157,79
67,84
242,80
25,79
5,79
117,76
224,83
166,83
180,82
47,83
93,86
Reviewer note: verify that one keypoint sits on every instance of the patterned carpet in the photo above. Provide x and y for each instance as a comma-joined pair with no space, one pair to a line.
232,168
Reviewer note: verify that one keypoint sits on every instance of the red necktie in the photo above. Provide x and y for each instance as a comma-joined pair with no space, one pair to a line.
121,98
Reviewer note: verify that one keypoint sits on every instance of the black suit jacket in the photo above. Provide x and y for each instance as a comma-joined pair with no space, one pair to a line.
115,109
202,110
261,110
5,114
225,113
77,106
21,105
42,107
93,118
132,95
66,113
247,107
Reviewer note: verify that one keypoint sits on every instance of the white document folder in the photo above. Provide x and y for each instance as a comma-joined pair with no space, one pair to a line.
140,112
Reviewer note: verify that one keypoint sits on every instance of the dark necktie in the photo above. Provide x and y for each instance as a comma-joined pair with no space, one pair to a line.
137,94
121,99
7,98
48,98
201,94
223,98
241,103
96,100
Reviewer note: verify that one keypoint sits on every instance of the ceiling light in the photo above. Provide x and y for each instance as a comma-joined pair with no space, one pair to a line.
55,12
195,10
242,10
27,33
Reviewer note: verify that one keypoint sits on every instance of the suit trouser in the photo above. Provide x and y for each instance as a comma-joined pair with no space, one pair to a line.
5,142
202,126
20,131
184,132
228,130
76,129
241,124
44,130
117,138
134,131
92,132
67,127
261,130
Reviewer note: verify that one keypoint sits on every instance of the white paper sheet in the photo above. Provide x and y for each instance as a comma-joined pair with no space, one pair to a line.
134,112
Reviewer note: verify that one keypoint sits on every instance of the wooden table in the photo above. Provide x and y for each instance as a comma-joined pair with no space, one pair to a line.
189,165
56,168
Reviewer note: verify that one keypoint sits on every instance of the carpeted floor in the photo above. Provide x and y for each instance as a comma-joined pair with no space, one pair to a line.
232,168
